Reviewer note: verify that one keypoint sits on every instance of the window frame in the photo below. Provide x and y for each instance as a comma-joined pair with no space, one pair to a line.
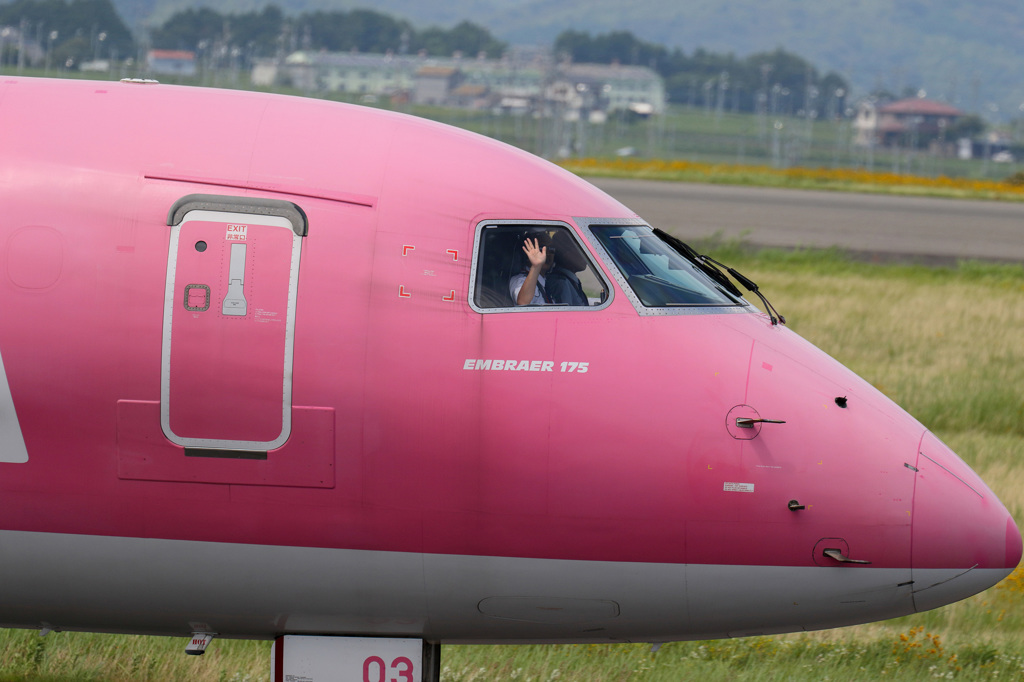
593,261
587,225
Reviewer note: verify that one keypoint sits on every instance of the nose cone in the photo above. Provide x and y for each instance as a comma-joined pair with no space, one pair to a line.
964,540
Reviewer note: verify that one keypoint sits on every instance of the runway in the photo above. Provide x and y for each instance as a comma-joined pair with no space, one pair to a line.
883,227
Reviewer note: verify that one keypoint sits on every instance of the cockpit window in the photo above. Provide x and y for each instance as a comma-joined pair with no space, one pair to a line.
521,266
657,273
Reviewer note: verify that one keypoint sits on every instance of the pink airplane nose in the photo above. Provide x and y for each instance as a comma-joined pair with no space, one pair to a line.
964,539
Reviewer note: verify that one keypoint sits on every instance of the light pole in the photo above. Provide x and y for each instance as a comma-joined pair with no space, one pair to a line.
4,34
776,149
99,45
22,28
840,123
49,49
723,85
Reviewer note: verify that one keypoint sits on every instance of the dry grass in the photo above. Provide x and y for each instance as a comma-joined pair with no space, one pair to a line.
88,657
944,344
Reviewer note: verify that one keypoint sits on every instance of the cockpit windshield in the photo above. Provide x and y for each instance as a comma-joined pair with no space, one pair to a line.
657,273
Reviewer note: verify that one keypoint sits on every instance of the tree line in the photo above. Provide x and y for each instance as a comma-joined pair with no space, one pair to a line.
777,82
270,32
76,31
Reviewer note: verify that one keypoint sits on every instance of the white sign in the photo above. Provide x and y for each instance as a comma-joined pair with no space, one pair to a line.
346,659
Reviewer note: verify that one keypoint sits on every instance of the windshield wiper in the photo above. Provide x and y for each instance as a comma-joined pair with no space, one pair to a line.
707,266
687,252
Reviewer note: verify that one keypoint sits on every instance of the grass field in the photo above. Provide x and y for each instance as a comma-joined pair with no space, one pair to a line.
943,342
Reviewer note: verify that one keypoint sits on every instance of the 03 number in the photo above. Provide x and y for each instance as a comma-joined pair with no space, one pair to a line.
375,670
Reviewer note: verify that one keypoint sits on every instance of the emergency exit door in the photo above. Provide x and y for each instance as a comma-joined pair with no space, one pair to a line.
229,322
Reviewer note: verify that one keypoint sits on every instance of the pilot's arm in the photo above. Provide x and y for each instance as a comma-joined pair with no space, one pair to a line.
538,256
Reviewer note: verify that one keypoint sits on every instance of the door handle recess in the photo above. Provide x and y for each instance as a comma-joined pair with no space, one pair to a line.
838,555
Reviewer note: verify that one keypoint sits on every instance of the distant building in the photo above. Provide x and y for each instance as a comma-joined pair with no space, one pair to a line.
171,62
265,73
617,88
96,65
364,74
435,85
905,122
471,96
517,83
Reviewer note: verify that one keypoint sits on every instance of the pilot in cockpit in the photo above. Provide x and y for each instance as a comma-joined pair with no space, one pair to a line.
549,276
528,286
